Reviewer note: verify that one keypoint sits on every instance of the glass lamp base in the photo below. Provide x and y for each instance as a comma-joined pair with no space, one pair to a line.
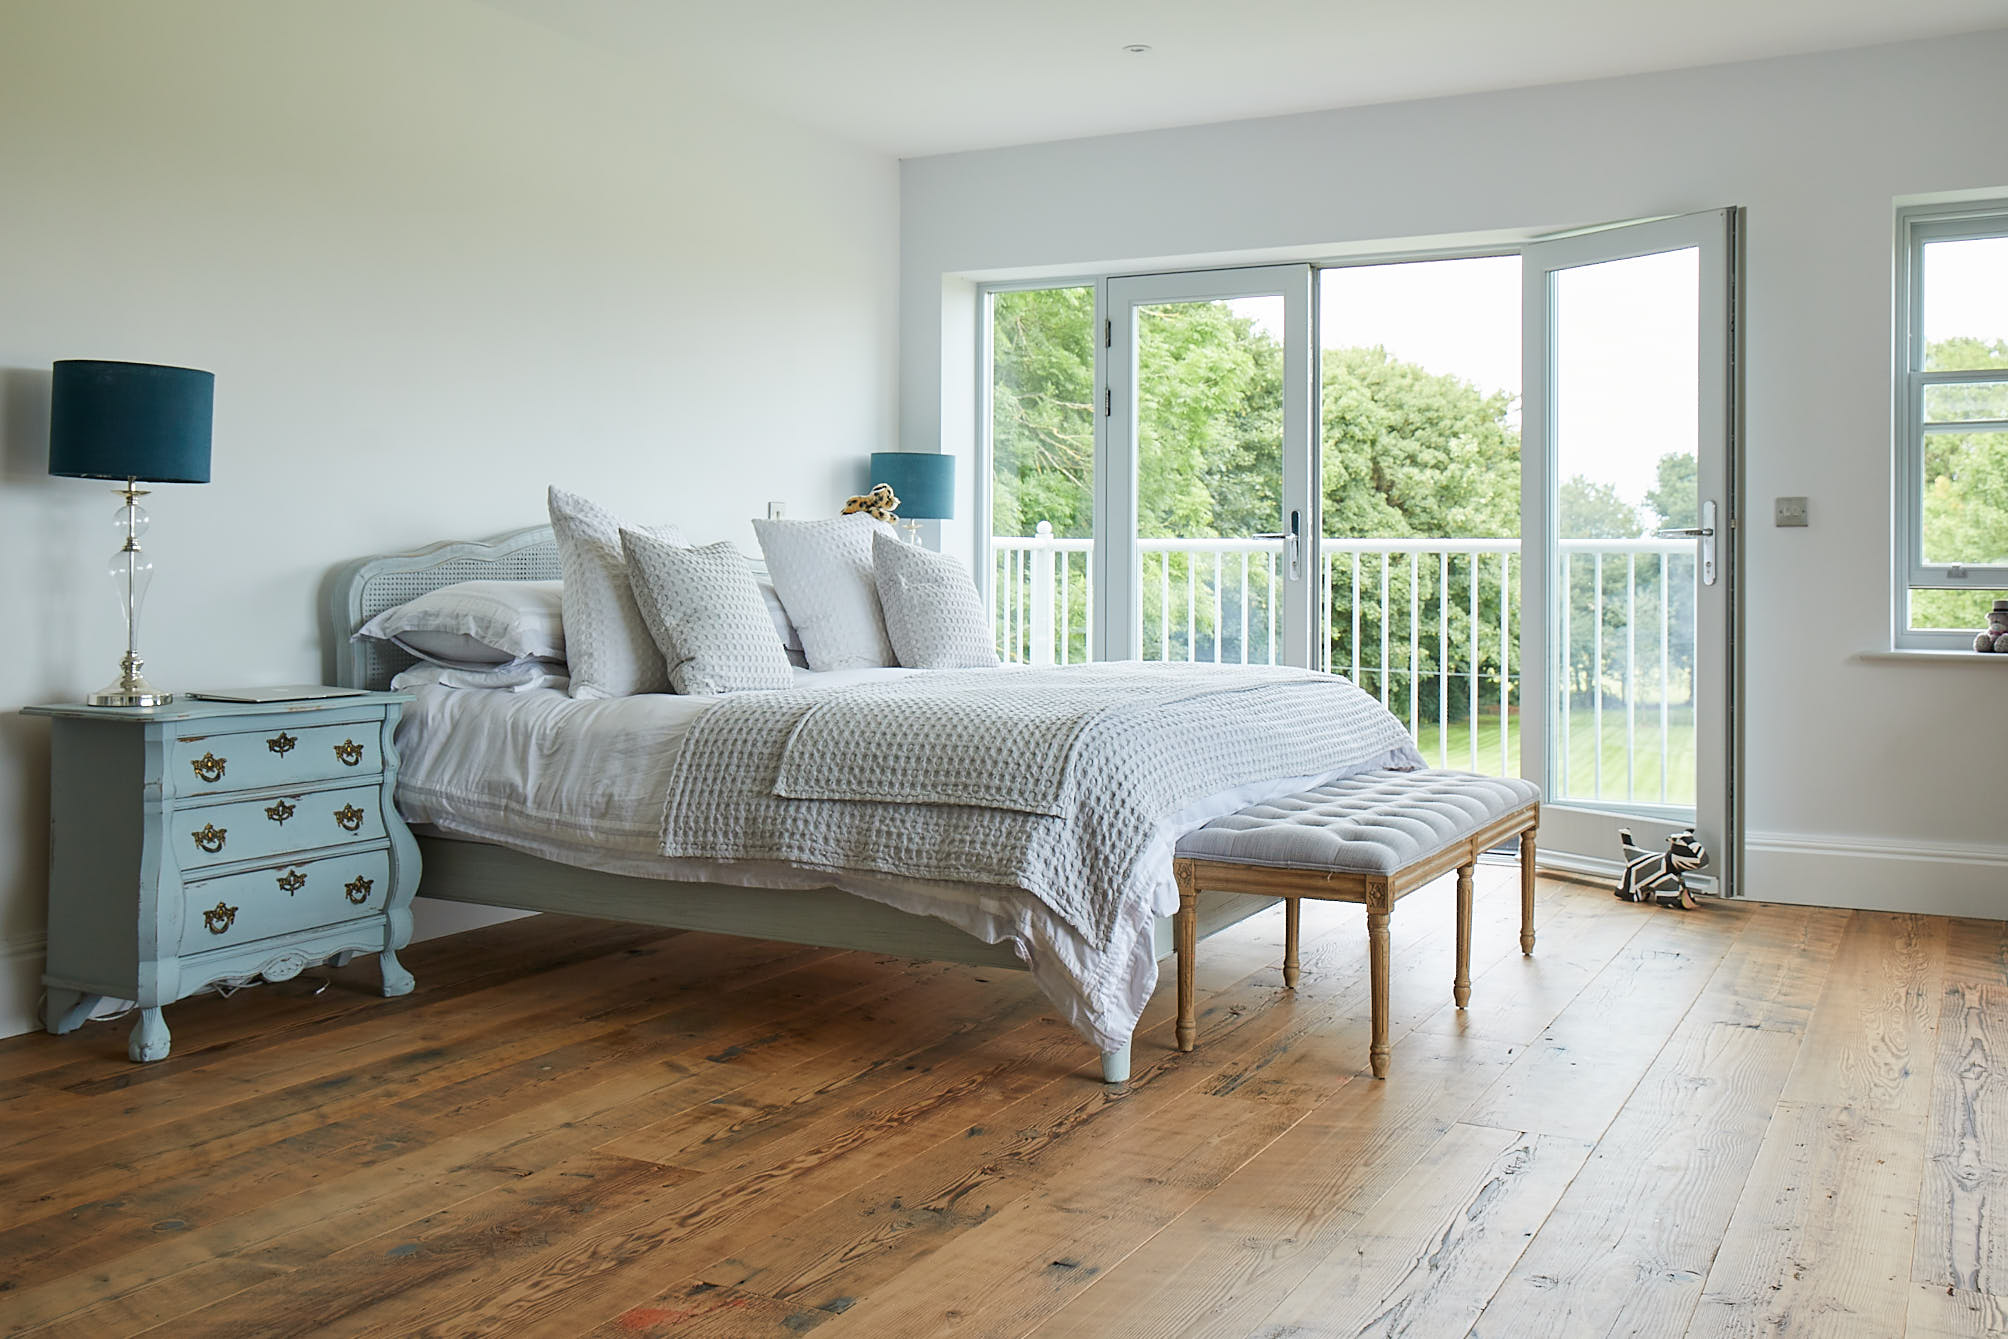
130,690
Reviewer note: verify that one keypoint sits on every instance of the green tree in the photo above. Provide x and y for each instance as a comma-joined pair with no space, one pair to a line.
1042,420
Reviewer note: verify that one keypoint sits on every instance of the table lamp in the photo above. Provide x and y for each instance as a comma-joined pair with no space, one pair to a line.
925,483
141,423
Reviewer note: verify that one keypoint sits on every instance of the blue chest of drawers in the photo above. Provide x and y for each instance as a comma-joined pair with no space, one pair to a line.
210,843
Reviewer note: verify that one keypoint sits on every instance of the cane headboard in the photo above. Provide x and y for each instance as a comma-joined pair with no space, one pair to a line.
366,587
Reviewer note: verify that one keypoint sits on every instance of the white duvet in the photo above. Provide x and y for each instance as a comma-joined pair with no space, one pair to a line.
582,782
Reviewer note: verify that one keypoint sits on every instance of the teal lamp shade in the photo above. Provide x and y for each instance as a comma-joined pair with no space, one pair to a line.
924,482
130,421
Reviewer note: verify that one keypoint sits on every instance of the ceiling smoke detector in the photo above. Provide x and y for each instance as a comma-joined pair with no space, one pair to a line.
1137,48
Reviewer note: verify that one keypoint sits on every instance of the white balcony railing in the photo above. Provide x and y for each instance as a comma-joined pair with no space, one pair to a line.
1430,625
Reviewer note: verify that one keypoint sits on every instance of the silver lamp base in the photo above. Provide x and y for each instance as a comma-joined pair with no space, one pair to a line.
130,690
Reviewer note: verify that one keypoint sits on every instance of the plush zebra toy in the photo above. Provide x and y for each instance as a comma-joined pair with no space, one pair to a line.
1655,875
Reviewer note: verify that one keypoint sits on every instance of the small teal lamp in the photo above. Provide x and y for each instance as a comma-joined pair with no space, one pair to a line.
925,483
141,423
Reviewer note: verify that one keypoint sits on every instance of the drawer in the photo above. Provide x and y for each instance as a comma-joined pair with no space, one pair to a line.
201,764
220,834
282,899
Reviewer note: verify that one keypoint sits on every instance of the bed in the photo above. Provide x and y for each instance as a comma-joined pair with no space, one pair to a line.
525,862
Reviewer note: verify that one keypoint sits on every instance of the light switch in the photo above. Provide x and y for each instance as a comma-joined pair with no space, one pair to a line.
1789,511
776,511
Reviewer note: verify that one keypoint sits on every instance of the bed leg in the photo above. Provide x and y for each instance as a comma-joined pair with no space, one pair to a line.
1116,1065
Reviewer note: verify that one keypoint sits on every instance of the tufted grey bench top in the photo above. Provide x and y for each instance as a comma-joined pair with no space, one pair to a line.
1374,823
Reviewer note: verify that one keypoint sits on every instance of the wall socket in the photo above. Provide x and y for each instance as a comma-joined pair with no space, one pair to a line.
1789,511
778,510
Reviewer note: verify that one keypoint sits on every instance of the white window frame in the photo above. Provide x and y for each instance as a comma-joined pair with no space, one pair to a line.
1916,226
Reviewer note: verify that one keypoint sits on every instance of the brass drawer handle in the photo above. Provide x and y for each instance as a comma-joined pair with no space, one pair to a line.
292,881
208,767
279,812
219,918
210,838
350,817
358,889
281,743
349,752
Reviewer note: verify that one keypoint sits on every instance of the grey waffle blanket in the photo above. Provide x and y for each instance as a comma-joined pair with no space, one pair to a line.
1059,781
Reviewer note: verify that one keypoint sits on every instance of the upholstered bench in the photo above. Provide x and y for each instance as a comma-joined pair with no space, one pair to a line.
1372,839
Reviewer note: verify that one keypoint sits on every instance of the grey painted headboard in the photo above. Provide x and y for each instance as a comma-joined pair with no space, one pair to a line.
366,587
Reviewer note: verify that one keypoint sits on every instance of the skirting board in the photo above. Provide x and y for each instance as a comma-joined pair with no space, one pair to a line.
1941,879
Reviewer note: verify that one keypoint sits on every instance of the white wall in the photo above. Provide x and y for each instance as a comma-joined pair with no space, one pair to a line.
436,259
1902,763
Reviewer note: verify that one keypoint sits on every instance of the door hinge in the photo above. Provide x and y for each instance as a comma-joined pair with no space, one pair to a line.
1108,334
1108,401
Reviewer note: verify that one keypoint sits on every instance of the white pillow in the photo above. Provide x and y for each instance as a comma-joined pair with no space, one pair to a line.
823,572
790,635
477,624
607,644
705,613
933,615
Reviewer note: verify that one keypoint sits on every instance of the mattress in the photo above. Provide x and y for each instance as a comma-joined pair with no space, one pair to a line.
582,782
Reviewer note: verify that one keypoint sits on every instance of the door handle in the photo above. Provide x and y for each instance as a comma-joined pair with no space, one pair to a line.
1705,532
1293,546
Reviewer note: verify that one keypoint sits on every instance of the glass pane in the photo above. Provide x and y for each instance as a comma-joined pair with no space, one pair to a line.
1952,610
1966,304
1209,402
1966,498
1626,369
1421,479
1966,402
1042,480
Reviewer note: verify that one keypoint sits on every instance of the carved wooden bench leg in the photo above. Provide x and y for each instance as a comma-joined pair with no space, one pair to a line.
1377,958
1460,989
1185,936
1527,892
1291,906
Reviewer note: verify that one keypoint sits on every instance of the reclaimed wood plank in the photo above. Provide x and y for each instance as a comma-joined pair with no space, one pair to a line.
1820,1242
1425,1264
1874,1034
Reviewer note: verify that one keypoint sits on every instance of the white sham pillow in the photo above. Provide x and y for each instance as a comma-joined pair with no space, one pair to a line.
607,645
705,613
477,624
933,615
823,573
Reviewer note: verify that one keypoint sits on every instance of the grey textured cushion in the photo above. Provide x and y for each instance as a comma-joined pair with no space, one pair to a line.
704,610
606,642
933,615
1373,823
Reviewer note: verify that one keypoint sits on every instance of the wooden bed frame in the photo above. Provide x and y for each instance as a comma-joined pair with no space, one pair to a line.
487,875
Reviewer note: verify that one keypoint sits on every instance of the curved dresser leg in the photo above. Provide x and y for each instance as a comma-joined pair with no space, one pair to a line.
396,980
1116,1066
68,1010
149,1040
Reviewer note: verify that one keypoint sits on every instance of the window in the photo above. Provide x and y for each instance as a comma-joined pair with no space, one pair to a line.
1952,422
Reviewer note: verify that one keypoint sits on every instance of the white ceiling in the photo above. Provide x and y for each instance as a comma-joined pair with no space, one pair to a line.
913,77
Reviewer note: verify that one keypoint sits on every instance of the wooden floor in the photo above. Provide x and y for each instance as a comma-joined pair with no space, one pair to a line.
1739,1121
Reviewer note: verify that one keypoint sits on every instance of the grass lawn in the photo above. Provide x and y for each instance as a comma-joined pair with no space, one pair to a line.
1451,747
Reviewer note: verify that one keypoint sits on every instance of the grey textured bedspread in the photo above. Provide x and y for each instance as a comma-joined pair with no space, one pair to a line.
1059,781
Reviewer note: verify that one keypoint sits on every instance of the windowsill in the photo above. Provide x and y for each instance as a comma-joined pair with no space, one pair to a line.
1921,657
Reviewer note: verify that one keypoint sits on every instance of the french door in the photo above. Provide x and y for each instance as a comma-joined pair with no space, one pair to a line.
1206,482
1209,544
1628,524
